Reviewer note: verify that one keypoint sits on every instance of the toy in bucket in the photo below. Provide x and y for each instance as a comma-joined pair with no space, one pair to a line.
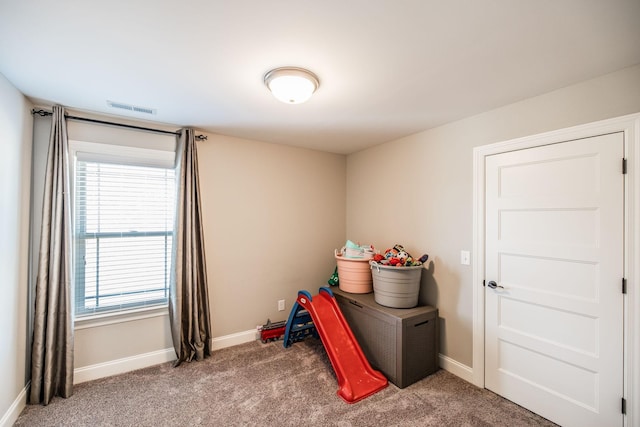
396,277
397,256
353,250
353,268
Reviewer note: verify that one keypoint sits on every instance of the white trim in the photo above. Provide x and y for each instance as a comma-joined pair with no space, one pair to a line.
233,339
456,368
12,414
99,152
111,318
632,250
477,263
630,125
120,366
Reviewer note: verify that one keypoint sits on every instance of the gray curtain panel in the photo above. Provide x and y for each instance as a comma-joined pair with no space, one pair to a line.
52,347
189,295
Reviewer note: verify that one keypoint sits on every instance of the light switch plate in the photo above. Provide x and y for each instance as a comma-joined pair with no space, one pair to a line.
465,257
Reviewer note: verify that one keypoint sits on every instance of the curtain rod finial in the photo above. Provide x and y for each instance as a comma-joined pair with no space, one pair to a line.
41,113
201,137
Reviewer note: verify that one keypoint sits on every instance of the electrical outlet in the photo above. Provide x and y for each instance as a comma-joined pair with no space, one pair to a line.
281,305
465,257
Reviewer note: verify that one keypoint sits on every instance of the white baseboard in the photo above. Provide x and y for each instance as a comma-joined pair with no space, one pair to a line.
12,414
233,339
120,366
456,368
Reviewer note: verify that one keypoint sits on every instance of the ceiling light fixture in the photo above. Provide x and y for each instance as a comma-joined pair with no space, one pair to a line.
291,85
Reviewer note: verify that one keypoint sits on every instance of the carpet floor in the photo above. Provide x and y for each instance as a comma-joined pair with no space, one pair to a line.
258,384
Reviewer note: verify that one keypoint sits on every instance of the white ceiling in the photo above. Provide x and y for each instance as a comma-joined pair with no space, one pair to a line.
387,68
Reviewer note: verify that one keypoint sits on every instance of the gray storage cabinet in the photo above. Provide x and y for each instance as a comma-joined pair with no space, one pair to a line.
400,342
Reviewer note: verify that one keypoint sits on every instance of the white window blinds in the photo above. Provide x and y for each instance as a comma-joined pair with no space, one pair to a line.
124,221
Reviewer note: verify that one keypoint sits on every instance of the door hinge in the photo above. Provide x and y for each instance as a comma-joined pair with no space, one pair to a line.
624,285
624,405
483,283
624,166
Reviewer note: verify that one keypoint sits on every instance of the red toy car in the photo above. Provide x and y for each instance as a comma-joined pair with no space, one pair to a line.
272,331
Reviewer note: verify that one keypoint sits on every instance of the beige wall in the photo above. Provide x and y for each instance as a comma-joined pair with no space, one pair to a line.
15,167
418,190
101,343
272,217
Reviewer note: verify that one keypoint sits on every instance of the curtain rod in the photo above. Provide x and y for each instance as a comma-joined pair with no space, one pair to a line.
43,113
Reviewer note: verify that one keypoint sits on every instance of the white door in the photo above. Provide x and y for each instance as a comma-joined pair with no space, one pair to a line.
554,250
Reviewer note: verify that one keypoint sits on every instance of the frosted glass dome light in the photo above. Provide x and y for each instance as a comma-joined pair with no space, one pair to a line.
291,85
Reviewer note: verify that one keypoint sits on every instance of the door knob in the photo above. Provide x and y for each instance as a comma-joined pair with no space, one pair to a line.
494,285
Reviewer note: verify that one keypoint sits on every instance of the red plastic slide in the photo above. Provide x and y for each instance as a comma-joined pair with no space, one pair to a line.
356,378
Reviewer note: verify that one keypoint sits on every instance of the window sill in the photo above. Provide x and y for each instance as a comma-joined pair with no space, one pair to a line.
120,317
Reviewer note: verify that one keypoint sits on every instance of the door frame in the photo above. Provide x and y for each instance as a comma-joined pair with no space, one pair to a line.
630,125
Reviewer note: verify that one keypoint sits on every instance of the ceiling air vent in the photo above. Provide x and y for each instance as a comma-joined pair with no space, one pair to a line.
134,108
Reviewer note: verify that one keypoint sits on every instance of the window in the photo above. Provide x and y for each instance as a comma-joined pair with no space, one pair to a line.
123,230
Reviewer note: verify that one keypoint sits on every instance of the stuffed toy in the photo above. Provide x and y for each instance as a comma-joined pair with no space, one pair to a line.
334,280
397,256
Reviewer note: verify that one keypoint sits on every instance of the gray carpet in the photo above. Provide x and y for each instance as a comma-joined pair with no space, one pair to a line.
267,385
